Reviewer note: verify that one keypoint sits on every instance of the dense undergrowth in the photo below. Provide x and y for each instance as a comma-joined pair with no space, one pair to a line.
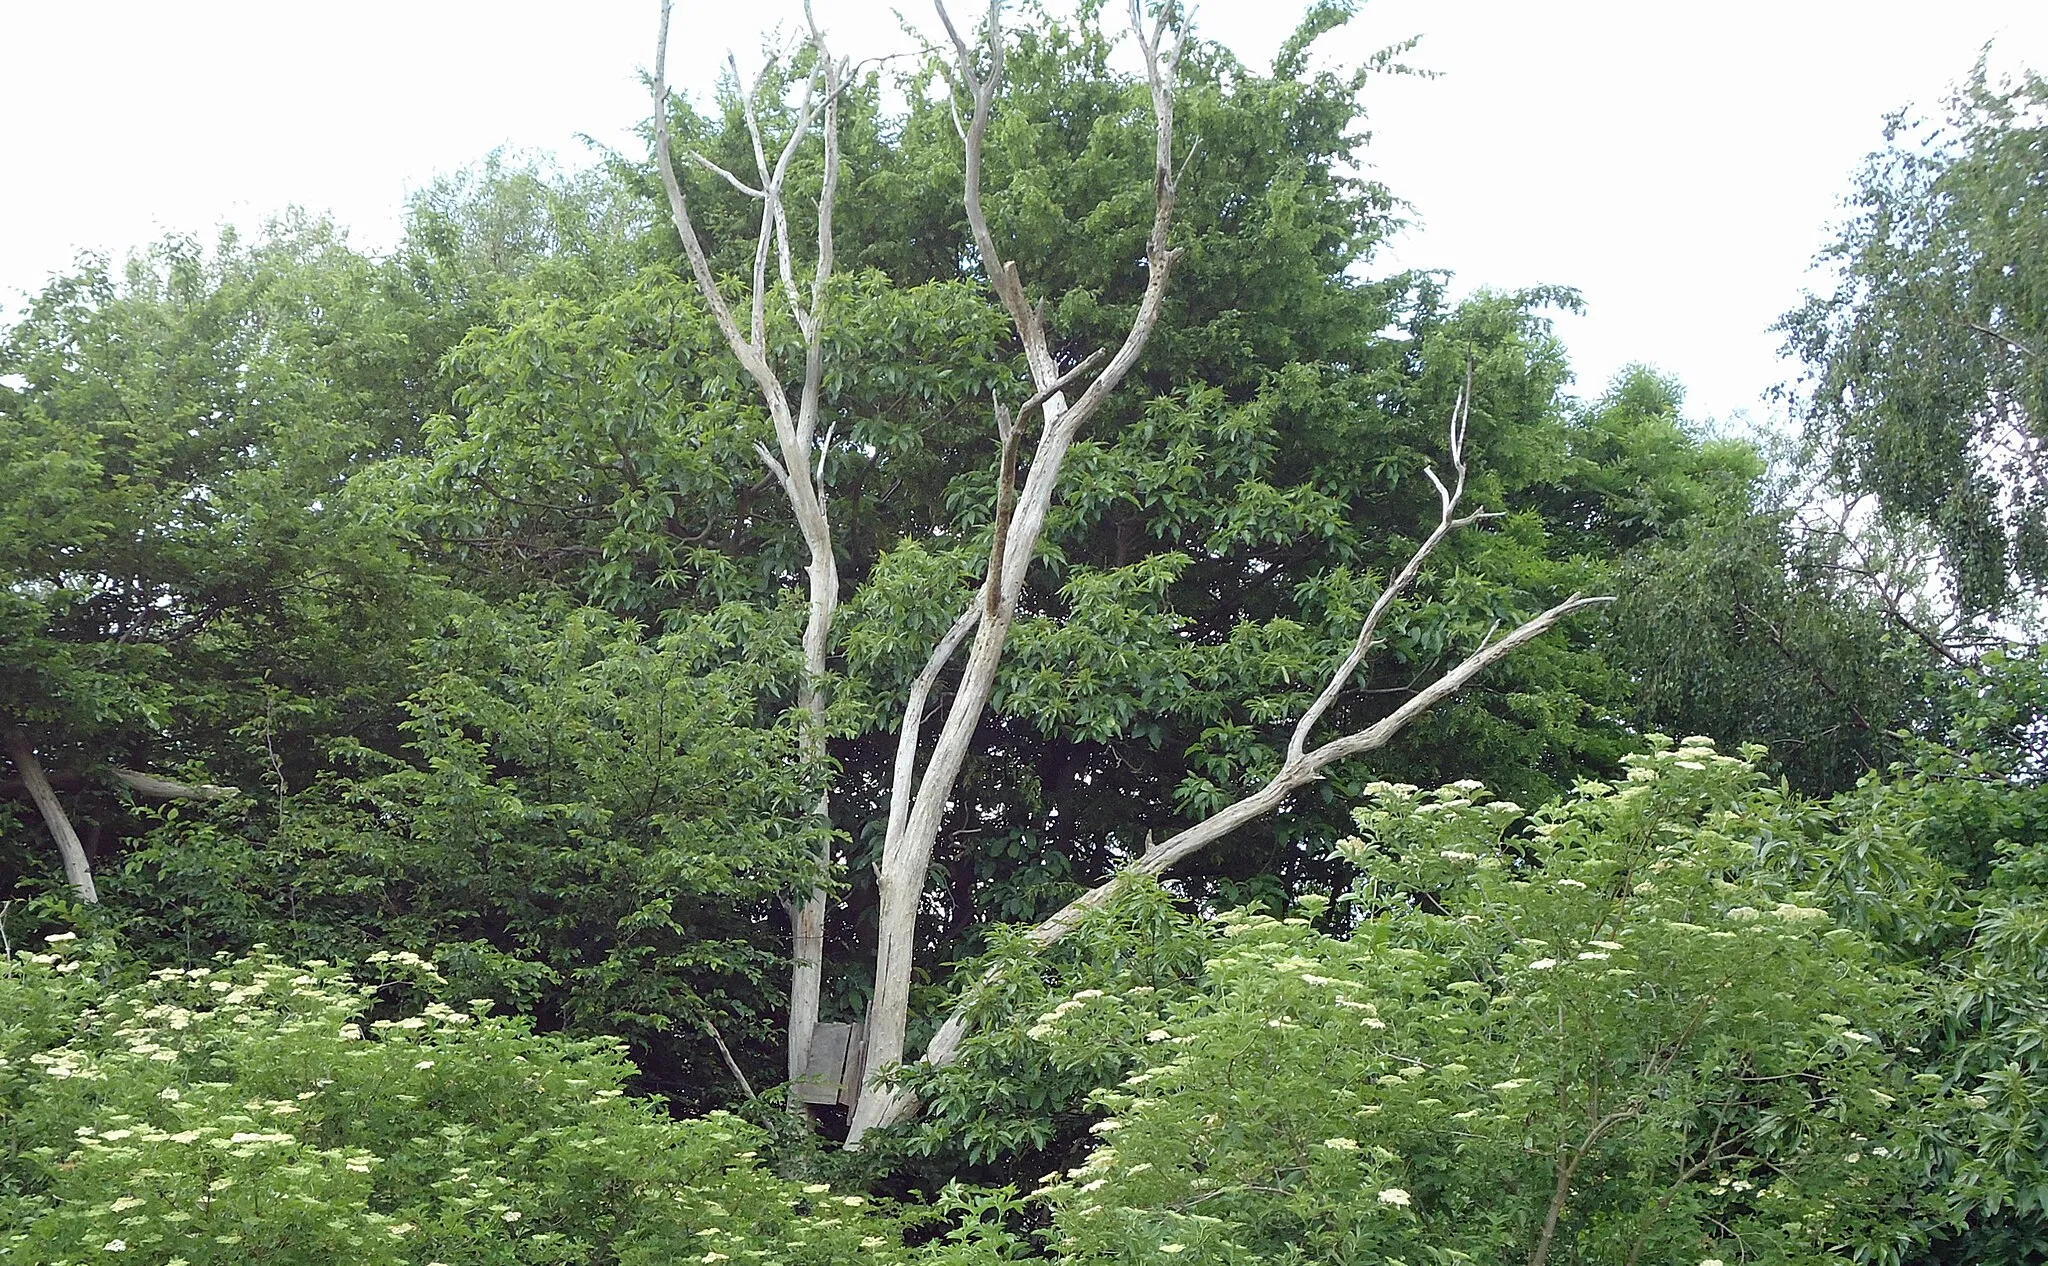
1679,1016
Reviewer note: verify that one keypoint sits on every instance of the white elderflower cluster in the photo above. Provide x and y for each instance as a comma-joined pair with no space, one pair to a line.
1042,1028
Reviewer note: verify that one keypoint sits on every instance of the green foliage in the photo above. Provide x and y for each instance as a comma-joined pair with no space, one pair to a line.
1013,1102
255,1110
1749,629
1929,361
593,825
179,538
463,566
1634,468
1940,859
1219,532
1602,1032
202,564
606,443
1736,616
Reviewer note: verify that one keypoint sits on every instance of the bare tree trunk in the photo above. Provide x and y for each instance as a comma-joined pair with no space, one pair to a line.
800,473
77,869
1018,521
807,916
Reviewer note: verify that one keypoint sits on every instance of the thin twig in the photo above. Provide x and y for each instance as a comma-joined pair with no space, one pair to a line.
732,1065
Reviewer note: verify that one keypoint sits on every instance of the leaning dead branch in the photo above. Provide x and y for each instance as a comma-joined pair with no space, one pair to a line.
77,868
1303,763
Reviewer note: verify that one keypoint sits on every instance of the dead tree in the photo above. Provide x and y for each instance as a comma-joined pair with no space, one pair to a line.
1062,401
918,798
797,462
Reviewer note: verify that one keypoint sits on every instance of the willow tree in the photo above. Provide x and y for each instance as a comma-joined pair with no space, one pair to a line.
1927,362
1063,387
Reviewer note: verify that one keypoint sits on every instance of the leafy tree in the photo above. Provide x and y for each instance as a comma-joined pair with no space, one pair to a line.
1746,615
1939,860
188,579
1745,627
585,824
202,565
1928,363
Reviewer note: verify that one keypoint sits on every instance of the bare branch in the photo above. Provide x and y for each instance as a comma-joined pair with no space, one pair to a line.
679,211
164,789
1002,276
964,60
902,786
953,108
1006,505
824,449
796,467
775,467
753,120
1061,383
836,75
729,178
725,1052
1446,524
1379,734
2024,349
771,201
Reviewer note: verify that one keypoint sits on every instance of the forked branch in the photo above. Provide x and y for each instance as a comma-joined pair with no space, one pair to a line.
1461,418
794,463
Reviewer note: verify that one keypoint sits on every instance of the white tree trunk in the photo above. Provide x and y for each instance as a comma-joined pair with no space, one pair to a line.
77,869
807,916
792,462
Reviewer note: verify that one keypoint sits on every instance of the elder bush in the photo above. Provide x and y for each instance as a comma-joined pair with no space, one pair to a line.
1600,1033
256,1111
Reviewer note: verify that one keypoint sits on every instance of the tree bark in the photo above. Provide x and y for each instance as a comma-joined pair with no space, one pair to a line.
801,475
77,869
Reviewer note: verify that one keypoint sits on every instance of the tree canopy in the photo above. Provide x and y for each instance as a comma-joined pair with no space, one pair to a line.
1929,360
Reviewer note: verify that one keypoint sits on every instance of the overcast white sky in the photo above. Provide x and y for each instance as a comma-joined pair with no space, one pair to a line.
1678,162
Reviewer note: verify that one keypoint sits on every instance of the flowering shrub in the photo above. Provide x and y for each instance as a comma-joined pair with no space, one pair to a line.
1016,1102
1601,1033
254,1111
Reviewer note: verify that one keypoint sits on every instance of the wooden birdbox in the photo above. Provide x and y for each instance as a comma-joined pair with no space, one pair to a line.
835,1065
